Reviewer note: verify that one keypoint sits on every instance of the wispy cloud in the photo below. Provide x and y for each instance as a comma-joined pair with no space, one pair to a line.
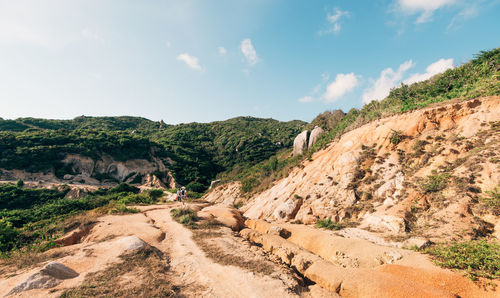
385,82
222,51
333,20
435,68
91,35
249,51
343,84
191,61
425,8
306,99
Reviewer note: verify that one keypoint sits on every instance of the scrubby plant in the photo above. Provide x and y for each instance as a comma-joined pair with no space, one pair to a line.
492,200
396,137
435,183
329,224
479,258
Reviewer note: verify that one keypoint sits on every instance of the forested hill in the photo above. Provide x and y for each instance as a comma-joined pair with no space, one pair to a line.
198,151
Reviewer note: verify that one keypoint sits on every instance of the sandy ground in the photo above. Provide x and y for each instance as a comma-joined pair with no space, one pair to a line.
191,272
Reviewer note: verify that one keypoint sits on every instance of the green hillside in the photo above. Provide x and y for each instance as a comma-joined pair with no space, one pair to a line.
199,151
479,77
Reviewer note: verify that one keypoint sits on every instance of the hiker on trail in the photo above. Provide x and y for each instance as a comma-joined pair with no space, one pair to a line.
181,194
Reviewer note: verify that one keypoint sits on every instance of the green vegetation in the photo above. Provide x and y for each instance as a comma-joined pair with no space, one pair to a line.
197,151
479,77
329,224
185,216
33,218
479,258
492,200
396,137
435,183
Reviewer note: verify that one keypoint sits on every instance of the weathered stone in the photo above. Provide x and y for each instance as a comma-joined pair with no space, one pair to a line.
417,242
132,244
48,277
214,183
315,134
228,216
300,143
384,223
277,230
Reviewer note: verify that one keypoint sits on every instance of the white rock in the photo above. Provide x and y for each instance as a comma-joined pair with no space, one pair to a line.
300,143
131,244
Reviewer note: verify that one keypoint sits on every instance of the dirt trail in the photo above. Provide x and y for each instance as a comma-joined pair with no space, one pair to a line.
190,271
203,277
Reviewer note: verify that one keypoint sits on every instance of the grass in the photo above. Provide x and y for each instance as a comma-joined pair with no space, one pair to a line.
479,258
492,200
329,224
185,216
396,137
151,278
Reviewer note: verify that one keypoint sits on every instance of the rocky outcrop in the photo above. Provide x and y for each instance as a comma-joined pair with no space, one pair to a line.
358,279
227,216
315,134
378,174
300,143
48,277
225,194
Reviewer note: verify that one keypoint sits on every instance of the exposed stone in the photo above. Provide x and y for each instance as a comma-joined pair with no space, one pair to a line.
384,223
277,230
300,143
132,244
315,134
68,177
288,209
417,242
48,277
228,216
214,183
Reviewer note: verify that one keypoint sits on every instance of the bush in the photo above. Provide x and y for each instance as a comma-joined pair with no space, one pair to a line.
196,187
20,183
435,183
396,137
8,236
329,224
479,258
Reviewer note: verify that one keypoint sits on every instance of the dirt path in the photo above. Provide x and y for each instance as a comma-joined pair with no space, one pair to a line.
199,275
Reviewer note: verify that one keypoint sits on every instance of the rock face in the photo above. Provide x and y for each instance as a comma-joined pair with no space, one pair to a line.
300,143
226,194
228,216
48,277
369,177
315,134
132,244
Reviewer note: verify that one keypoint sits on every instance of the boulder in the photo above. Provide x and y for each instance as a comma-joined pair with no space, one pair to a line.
131,245
384,223
277,230
288,209
48,277
214,183
300,143
228,216
315,134
417,242
68,177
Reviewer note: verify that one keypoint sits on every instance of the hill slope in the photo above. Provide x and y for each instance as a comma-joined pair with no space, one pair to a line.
104,147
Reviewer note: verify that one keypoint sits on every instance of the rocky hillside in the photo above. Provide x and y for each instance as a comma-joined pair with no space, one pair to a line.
96,150
425,173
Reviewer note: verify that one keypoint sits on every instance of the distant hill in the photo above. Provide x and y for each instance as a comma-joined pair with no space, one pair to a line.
196,152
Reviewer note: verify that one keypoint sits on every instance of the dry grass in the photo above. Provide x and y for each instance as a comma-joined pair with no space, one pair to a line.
141,275
218,255
27,259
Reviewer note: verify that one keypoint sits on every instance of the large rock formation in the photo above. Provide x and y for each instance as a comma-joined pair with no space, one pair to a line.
300,143
315,134
228,216
383,175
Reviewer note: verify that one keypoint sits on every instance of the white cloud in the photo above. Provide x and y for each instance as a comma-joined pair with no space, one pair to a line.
468,12
306,99
222,51
435,68
249,51
88,34
425,7
387,80
190,61
168,44
334,21
343,84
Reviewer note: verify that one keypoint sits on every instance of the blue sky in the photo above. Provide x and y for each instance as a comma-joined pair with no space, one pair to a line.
184,61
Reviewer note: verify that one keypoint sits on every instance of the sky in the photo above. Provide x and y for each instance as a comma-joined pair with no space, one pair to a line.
207,60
